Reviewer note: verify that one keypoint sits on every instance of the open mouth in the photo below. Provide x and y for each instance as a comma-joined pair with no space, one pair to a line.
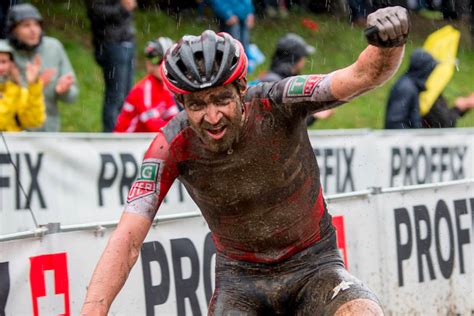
216,133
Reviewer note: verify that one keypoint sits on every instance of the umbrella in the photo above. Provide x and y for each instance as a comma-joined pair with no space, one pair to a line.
443,46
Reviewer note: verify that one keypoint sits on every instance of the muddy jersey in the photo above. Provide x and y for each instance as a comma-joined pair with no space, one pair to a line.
262,198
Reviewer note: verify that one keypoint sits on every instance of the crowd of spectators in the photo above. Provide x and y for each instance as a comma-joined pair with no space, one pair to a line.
35,71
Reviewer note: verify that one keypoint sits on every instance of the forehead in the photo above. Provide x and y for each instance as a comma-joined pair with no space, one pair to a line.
211,93
4,55
28,22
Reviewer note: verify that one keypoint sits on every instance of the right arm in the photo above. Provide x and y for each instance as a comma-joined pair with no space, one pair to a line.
156,175
117,260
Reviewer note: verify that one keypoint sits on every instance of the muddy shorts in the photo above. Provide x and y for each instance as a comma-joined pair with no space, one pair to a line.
312,282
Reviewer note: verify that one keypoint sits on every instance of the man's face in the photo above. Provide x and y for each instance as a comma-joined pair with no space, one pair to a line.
28,31
5,64
216,116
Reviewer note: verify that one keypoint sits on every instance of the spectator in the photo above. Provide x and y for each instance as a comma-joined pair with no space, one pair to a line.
442,116
4,8
25,35
20,108
403,107
113,36
236,17
149,105
289,60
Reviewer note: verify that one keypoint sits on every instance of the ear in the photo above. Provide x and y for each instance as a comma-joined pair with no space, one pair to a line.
242,85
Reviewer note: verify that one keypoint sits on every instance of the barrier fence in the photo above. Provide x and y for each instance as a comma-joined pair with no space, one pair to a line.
411,245
83,178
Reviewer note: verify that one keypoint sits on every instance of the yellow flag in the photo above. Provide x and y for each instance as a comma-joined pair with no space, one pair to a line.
443,46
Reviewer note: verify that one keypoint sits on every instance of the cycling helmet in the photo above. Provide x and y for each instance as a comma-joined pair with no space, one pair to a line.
199,62
156,49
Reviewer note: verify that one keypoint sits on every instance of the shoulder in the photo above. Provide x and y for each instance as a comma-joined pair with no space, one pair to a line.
175,127
52,43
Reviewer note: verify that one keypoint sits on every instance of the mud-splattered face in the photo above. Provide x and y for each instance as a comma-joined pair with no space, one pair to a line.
216,115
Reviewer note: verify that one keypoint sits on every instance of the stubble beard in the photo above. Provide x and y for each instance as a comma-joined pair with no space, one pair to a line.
231,137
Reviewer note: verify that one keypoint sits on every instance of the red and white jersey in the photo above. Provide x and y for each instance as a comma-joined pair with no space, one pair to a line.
147,108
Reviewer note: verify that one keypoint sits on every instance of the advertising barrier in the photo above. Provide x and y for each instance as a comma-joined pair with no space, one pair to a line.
83,178
412,246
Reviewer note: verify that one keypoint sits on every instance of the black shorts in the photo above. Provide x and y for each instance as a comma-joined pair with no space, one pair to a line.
312,282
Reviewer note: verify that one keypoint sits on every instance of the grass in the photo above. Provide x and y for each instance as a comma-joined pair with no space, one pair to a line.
337,43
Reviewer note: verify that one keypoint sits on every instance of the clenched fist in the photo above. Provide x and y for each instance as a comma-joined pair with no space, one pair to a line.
388,27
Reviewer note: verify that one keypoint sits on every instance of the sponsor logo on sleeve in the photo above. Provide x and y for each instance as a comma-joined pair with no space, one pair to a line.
302,86
145,184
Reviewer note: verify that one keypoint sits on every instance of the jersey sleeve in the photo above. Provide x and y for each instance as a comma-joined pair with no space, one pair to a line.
156,175
304,94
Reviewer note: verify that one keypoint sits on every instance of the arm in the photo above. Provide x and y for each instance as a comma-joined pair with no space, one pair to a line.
387,31
117,260
128,118
11,93
156,176
376,64
65,69
32,112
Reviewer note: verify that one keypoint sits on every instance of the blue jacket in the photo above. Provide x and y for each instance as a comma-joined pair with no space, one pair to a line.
224,9
403,107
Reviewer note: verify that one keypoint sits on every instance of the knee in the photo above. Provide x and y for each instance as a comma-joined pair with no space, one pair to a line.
360,306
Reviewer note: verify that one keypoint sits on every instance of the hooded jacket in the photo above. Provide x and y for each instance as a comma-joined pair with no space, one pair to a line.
403,107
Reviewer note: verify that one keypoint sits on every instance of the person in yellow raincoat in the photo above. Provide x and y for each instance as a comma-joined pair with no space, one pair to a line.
20,107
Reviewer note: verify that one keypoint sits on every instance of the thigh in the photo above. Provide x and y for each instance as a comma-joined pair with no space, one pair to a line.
233,301
330,288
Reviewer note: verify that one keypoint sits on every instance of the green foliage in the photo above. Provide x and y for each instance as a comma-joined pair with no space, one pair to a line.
337,45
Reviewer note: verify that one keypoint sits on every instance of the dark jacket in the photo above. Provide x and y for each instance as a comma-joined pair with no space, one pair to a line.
403,108
441,116
110,22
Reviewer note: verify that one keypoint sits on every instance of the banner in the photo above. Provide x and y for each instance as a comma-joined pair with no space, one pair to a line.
411,246
83,178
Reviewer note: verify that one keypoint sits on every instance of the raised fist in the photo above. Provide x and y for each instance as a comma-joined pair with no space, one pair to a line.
387,27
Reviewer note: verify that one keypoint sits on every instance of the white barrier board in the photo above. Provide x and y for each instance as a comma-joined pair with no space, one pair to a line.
75,179
412,247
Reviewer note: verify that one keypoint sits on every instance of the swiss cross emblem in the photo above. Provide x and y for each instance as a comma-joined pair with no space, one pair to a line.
301,86
145,184
50,284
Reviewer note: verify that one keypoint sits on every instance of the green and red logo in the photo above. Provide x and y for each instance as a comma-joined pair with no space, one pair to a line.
145,184
302,86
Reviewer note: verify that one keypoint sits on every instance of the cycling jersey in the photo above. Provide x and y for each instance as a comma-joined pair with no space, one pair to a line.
147,108
262,198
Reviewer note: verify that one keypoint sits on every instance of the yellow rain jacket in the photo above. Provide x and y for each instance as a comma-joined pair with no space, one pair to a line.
21,108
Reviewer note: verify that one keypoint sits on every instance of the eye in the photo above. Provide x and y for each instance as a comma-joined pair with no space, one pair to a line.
224,102
195,106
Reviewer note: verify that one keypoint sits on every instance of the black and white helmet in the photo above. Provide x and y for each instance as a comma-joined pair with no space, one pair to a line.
199,62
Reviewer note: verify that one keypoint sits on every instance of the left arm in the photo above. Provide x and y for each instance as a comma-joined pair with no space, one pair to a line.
375,65
65,68
387,31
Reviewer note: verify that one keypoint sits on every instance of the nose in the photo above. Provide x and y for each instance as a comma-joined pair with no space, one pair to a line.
213,115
